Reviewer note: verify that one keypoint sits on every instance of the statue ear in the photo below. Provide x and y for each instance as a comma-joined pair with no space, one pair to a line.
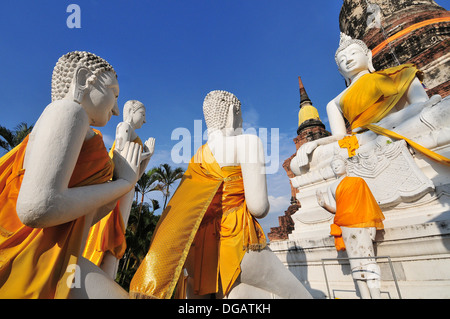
81,83
230,116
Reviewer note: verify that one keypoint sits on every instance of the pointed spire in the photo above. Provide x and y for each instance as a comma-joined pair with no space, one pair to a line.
307,115
304,99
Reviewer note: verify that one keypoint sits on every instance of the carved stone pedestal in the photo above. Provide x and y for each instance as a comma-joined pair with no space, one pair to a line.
414,194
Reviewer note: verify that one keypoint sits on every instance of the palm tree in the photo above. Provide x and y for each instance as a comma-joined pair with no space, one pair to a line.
13,138
167,176
146,184
140,227
139,232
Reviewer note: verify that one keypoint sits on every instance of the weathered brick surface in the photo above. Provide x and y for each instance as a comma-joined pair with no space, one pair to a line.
422,46
286,225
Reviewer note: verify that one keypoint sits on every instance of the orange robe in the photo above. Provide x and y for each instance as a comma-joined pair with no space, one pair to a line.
33,261
371,98
355,207
209,211
108,234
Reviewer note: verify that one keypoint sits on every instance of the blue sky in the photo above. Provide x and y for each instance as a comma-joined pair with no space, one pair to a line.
170,53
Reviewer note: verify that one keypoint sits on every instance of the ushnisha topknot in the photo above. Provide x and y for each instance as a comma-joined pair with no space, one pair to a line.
68,64
216,106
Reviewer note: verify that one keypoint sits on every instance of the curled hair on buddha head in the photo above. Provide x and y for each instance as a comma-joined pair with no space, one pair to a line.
216,107
67,66
130,107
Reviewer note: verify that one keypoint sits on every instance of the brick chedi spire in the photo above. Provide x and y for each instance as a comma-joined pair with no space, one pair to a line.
304,98
310,128
403,31
308,114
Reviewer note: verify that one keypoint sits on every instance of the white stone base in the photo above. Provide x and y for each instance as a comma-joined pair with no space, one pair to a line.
416,238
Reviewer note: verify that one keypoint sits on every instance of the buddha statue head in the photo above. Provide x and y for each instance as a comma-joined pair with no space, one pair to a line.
88,80
222,110
68,67
134,113
353,57
338,165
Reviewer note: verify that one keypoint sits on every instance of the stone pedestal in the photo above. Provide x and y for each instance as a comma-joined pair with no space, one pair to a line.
414,194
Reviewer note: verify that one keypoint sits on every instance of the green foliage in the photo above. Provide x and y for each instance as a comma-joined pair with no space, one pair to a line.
10,139
139,232
166,177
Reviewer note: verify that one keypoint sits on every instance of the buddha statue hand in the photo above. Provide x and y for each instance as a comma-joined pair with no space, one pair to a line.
304,151
127,162
149,149
320,199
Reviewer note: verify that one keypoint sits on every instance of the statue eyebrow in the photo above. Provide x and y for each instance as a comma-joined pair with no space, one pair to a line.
115,88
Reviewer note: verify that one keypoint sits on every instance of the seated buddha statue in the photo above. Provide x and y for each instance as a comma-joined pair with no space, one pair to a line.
391,102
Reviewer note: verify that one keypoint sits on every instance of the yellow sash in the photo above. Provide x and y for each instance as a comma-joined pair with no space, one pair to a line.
208,207
371,98
34,261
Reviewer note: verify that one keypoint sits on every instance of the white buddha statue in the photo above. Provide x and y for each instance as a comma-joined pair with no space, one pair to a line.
134,116
262,274
67,184
213,216
390,102
357,218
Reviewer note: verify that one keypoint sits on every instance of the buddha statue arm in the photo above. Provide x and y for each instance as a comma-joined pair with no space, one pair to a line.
331,206
336,119
44,199
103,211
251,159
416,93
338,129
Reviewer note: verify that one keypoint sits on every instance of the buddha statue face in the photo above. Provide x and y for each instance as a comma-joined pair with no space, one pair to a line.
339,166
100,99
352,60
134,113
353,57
88,80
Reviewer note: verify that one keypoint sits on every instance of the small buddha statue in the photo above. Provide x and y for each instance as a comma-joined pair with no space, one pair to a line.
107,256
134,116
357,217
